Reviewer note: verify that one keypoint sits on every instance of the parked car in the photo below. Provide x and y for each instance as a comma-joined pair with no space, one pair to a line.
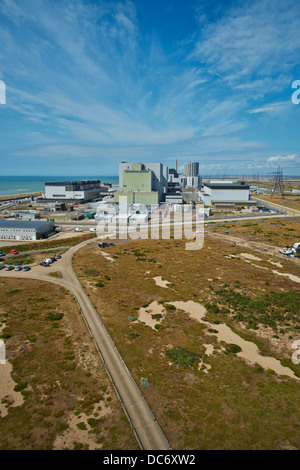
18,268
43,263
1,253
26,268
2,266
53,259
93,229
9,268
1,259
14,252
57,256
112,244
78,229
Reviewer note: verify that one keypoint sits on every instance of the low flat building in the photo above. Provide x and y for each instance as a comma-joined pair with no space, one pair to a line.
25,230
139,218
30,215
175,198
71,191
224,193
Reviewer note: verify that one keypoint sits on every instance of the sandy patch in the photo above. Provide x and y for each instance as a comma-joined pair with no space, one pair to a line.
209,349
250,352
195,310
73,434
8,397
145,314
106,256
159,282
257,266
2,351
251,257
292,277
206,367
279,265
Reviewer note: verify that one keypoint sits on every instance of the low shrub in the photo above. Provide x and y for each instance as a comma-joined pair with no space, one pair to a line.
182,356
233,348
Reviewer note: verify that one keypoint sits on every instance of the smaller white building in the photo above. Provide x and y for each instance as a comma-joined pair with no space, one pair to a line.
84,190
25,230
139,218
224,192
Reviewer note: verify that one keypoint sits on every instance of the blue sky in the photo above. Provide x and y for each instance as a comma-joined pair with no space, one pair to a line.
92,83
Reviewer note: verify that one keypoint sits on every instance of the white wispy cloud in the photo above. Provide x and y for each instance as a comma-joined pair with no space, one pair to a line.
258,38
284,159
83,79
270,108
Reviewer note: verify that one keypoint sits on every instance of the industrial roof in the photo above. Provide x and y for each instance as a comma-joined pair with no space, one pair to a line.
64,183
226,186
34,224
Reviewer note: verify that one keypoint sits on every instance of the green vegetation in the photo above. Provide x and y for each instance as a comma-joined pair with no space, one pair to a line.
233,401
56,274
233,348
182,356
55,243
272,309
92,272
55,316
93,422
81,426
133,335
47,371
20,386
20,260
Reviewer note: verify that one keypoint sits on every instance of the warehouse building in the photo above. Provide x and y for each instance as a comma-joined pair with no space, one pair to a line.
30,215
224,193
71,191
25,230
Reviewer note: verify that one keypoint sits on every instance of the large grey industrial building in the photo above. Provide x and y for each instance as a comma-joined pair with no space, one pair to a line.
191,168
73,191
224,192
189,179
25,230
143,183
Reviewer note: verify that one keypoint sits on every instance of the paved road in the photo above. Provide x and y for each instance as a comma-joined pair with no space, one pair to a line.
288,210
144,424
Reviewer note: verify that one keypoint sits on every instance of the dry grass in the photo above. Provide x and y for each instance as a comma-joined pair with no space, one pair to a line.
47,244
272,233
232,405
51,350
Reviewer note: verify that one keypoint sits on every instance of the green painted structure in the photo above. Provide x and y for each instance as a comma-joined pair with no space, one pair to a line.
138,197
137,180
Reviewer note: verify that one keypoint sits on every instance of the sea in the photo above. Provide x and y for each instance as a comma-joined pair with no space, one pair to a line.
26,184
